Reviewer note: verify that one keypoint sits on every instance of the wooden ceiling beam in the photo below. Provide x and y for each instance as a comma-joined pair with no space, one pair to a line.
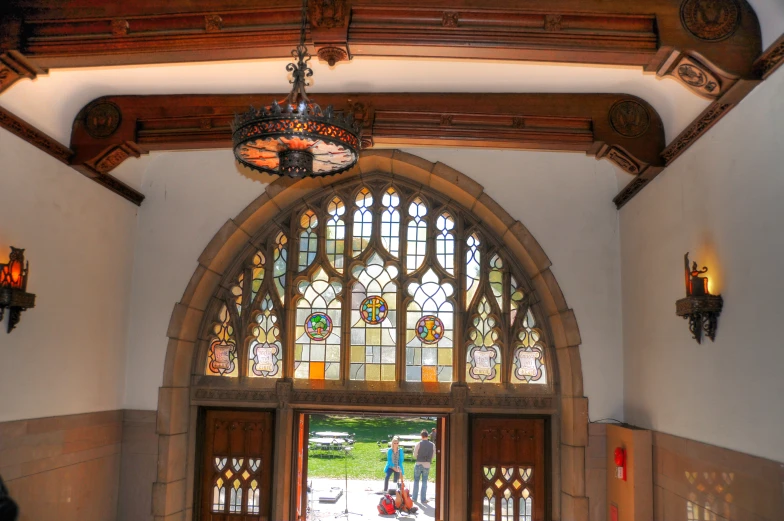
622,128
709,45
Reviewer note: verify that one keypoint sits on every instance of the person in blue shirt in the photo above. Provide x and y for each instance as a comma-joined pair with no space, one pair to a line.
394,463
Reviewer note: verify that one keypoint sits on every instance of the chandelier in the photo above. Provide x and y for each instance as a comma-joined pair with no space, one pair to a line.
295,137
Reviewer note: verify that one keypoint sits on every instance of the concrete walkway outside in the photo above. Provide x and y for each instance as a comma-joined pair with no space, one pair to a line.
363,498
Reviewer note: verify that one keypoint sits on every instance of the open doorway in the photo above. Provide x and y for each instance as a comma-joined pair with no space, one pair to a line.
344,461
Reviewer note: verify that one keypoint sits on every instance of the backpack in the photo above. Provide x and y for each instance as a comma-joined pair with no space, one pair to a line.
386,506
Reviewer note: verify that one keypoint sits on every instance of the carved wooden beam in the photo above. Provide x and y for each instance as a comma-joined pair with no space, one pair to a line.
770,60
708,45
62,153
621,128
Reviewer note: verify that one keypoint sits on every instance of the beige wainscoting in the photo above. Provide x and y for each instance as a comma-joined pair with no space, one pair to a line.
65,467
690,476
139,466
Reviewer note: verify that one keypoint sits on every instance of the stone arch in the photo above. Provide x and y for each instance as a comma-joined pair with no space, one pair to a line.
176,420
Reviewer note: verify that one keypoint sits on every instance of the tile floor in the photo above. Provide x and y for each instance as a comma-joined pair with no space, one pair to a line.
363,497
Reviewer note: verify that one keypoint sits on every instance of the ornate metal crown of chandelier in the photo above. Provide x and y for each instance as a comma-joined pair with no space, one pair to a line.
295,137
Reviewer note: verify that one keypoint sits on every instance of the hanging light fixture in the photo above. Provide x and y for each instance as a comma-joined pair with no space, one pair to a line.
295,137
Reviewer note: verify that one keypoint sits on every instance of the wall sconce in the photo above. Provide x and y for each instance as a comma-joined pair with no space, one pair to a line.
700,307
13,288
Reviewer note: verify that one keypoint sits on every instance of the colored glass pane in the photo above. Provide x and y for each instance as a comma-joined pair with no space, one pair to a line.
363,221
515,300
335,238
416,236
318,356
257,273
529,360
318,326
373,321
279,266
266,351
308,239
222,353
236,293
390,222
496,278
472,268
429,360
484,353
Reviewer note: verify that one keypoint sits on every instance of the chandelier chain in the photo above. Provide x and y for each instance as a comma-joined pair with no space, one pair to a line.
300,70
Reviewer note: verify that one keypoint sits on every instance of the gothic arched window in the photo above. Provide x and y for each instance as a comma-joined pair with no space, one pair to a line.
377,281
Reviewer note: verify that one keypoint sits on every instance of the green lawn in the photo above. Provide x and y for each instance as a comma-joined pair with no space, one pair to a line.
366,460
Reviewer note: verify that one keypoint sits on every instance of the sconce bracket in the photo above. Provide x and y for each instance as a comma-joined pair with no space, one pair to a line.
16,301
702,312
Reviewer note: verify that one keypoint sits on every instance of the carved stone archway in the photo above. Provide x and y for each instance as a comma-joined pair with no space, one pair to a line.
178,402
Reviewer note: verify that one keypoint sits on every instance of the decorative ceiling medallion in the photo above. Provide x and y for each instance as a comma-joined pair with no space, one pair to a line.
373,310
318,326
430,329
710,20
629,118
102,119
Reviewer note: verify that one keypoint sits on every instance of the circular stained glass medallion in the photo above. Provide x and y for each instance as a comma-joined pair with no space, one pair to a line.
430,329
373,310
318,326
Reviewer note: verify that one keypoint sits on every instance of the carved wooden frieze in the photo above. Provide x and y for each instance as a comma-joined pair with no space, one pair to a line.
459,400
706,120
771,59
35,137
725,33
622,128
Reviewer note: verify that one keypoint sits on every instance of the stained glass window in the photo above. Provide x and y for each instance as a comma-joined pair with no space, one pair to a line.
266,351
445,242
336,233
429,330
373,321
529,363
280,261
318,327
384,311
472,268
223,347
308,239
416,238
390,222
363,221
484,353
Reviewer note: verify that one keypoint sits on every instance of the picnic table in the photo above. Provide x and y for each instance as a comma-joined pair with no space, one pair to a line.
407,442
329,444
330,434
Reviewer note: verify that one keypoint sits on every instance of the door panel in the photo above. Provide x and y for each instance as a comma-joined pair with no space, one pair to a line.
237,466
507,469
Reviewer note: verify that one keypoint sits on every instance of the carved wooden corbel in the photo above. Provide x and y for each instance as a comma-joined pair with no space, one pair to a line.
14,67
329,21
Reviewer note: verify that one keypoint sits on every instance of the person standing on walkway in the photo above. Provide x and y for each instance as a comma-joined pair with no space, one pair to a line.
394,463
423,455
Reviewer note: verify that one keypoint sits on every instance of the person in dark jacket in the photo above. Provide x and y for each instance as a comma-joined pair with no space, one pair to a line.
423,455
8,509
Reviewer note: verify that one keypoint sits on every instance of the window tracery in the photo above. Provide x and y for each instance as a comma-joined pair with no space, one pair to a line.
387,283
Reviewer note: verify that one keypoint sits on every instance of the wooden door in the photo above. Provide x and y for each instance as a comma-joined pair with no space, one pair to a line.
507,469
237,466
301,493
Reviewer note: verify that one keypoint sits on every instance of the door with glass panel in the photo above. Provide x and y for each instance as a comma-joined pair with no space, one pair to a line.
237,466
508,469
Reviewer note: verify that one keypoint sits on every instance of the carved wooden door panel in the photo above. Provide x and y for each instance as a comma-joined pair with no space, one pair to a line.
507,469
237,466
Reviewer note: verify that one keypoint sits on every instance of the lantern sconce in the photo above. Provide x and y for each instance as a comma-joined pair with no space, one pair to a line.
13,288
700,307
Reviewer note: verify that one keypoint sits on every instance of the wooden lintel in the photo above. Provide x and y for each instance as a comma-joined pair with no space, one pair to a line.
619,127
670,37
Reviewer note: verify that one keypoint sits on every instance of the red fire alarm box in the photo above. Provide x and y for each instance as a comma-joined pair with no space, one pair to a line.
620,463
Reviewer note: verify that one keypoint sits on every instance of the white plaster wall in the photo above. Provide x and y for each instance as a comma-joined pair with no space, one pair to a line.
721,201
564,199
67,355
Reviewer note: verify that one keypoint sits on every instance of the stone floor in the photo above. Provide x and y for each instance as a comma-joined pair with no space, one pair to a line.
363,498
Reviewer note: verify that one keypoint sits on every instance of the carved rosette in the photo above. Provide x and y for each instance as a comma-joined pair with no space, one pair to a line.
120,27
553,22
332,55
102,119
711,20
450,19
629,118
213,23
